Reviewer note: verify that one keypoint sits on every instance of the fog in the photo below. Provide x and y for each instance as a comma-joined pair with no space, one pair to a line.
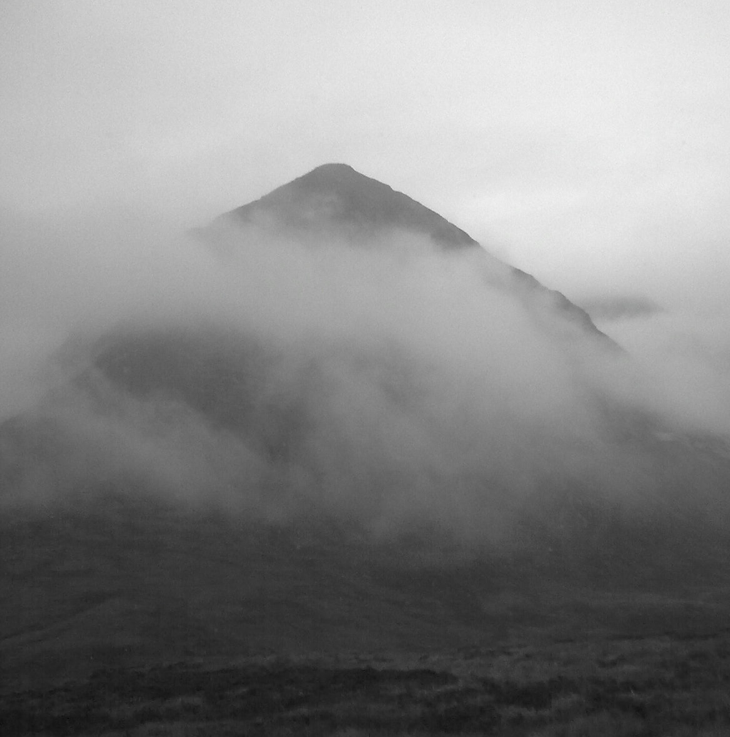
586,145
399,386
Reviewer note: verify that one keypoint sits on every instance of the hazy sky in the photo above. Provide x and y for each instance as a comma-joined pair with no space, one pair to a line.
584,142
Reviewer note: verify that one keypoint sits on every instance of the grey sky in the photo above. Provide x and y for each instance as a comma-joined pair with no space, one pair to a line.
584,142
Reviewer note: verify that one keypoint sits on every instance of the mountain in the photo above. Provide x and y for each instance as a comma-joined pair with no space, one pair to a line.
363,451
334,200
335,195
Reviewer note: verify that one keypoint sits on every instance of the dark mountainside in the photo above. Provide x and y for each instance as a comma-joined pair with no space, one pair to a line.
197,494
337,194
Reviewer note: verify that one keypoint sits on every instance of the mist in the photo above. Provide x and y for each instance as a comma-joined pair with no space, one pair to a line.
386,382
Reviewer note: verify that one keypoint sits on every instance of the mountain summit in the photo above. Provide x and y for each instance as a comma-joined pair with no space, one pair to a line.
335,195
336,200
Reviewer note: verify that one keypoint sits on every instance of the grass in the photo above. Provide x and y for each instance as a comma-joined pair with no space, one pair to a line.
663,686
125,622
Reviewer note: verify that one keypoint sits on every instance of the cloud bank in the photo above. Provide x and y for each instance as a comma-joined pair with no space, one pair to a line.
390,384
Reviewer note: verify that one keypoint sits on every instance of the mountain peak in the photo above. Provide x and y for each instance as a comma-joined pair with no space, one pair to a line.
335,178
335,199
334,169
337,196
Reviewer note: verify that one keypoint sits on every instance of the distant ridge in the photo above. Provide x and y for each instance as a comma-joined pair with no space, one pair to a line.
336,194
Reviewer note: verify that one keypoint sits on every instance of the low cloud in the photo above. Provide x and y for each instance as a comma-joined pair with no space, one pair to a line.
389,383
609,309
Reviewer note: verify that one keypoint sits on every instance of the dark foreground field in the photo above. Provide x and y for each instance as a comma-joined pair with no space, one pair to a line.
128,620
666,686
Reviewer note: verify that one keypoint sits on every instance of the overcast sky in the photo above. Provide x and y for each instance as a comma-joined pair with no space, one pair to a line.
585,142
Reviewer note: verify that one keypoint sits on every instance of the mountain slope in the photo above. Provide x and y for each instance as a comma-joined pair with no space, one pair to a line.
426,460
